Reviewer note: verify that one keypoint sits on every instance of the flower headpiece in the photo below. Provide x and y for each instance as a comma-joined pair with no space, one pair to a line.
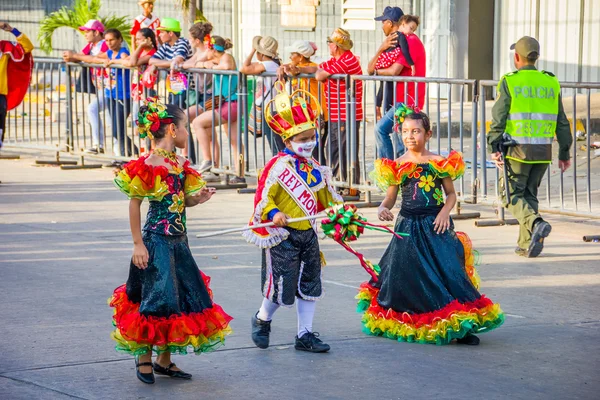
152,117
209,41
291,114
402,111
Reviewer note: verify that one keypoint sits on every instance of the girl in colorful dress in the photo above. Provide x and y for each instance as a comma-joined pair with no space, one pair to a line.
166,305
427,288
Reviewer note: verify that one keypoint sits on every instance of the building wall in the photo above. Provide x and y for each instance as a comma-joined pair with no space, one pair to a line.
568,32
262,17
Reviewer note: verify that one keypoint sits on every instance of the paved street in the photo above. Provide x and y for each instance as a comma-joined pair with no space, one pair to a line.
65,245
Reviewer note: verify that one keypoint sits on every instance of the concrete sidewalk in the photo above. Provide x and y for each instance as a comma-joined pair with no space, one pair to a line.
65,245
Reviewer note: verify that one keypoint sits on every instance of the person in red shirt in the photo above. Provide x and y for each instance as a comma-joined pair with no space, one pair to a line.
343,62
145,19
415,92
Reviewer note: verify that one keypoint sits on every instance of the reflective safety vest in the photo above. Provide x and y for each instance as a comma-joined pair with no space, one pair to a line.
531,120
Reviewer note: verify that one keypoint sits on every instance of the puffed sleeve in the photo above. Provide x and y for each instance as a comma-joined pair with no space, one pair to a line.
139,180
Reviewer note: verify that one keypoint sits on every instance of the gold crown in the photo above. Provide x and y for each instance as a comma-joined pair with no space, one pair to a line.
292,114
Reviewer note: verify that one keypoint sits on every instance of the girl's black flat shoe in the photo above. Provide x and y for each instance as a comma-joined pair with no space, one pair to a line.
169,371
146,378
470,340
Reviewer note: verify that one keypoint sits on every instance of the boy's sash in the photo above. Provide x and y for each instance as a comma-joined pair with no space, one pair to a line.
298,190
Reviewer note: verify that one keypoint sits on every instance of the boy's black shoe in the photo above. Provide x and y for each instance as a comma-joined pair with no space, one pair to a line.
541,230
260,332
310,342
470,340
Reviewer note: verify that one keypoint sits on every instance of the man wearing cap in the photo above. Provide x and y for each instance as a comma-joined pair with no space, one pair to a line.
529,110
409,93
16,64
342,61
172,53
146,19
93,31
300,53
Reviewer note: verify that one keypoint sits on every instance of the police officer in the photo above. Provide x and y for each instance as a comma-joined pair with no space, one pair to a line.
529,110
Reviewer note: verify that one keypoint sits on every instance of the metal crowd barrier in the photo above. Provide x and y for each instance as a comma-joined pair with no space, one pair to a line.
65,112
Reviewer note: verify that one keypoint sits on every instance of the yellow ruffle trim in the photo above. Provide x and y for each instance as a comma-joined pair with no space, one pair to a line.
134,188
440,332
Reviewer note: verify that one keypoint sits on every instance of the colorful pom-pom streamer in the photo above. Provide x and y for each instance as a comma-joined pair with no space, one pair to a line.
343,224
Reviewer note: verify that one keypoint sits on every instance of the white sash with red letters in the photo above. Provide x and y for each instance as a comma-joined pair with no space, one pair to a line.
299,190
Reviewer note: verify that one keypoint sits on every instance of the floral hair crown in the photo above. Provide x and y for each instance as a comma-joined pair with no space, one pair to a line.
150,120
401,112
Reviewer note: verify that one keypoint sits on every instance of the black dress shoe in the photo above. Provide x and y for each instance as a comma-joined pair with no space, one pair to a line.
470,340
521,252
541,230
310,342
260,332
146,378
160,370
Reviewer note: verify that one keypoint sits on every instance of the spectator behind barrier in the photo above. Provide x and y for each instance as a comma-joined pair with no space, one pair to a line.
268,61
172,53
342,61
401,67
300,53
117,91
89,79
386,55
142,85
224,110
200,40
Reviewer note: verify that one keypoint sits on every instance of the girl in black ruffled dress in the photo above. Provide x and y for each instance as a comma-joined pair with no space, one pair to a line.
427,287
166,305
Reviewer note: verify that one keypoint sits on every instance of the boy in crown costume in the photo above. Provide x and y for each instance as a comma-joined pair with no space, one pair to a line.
292,185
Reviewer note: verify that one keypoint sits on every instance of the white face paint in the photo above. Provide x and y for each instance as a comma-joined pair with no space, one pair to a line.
304,149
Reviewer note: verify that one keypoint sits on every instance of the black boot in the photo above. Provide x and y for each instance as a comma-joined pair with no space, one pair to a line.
541,230
310,342
260,332
470,340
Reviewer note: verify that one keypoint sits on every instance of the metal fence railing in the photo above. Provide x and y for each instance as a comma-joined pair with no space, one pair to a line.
89,111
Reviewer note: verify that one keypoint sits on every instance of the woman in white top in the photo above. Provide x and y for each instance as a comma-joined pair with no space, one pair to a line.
265,48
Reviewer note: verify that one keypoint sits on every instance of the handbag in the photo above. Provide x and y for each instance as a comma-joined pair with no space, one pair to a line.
208,104
252,122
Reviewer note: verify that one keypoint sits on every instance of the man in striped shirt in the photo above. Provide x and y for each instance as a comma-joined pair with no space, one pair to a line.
344,62
172,53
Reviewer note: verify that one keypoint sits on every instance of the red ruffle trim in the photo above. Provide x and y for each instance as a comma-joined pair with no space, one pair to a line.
187,168
162,331
146,173
418,320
